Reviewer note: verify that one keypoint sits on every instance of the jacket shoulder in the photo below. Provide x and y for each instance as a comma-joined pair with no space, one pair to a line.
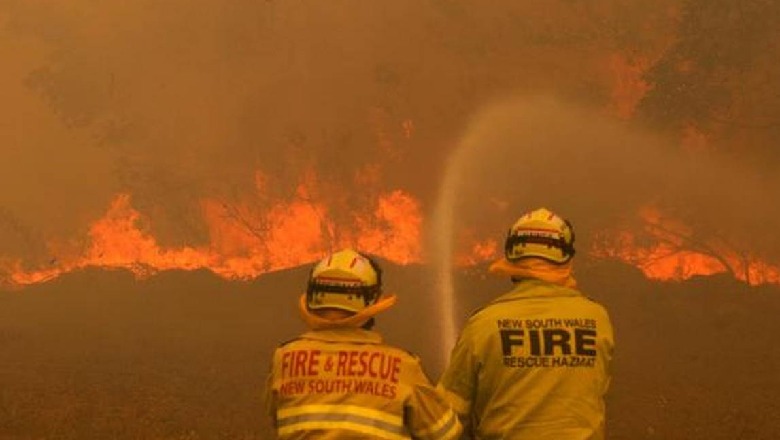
476,313
399,351
288,342
594,303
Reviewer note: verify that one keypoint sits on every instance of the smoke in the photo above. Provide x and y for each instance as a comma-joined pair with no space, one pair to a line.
527,152
177,101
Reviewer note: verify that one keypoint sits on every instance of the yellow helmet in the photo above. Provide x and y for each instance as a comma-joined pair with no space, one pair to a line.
540,234
345,280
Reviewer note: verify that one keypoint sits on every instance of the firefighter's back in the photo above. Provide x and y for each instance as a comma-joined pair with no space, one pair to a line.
545,353
347,384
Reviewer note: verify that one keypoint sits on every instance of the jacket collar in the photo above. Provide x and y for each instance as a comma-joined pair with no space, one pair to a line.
344,335
535,288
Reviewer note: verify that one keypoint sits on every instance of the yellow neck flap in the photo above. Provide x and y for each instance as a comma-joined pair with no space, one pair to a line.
536,268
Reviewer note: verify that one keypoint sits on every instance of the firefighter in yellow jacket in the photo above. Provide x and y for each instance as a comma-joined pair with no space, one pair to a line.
534,362
339,381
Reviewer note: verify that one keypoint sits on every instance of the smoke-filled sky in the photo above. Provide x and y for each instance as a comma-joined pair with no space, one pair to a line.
529,151
175,101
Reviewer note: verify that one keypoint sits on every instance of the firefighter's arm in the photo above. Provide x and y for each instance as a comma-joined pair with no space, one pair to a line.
428,415
461,407
270,394
458,384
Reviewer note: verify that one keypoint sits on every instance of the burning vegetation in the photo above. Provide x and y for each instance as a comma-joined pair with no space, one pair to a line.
245,243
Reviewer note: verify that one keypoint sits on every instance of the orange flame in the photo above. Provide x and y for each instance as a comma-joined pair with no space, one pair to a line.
664,251
116,241
473,251
244,242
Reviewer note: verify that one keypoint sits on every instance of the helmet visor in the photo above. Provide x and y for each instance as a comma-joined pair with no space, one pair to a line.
349,298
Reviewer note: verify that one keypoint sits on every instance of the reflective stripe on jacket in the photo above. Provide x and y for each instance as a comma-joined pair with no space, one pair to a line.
533,364
346,384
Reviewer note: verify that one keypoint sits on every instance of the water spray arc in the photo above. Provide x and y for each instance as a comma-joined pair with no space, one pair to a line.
444,227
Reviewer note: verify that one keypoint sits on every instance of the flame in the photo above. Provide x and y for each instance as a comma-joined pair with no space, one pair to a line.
473,251
394,229
116,241
244,240
665,250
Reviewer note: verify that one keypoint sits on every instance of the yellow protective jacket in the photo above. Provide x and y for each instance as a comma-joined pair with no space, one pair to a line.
346,384
532,364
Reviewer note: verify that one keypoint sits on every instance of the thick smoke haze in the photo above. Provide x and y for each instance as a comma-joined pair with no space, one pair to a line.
177,101
527,152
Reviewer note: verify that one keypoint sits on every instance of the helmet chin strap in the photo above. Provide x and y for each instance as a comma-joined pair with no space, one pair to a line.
317,322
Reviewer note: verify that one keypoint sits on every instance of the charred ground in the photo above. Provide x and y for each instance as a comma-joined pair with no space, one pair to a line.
183,355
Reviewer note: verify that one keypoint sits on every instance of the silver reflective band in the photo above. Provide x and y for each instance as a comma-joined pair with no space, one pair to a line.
290,422
439,433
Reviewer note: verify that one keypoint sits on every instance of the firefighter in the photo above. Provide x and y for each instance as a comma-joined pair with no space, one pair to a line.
339,380
534,362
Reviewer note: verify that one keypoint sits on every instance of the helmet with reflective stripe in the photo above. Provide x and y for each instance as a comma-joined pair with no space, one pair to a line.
345,280
540,234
